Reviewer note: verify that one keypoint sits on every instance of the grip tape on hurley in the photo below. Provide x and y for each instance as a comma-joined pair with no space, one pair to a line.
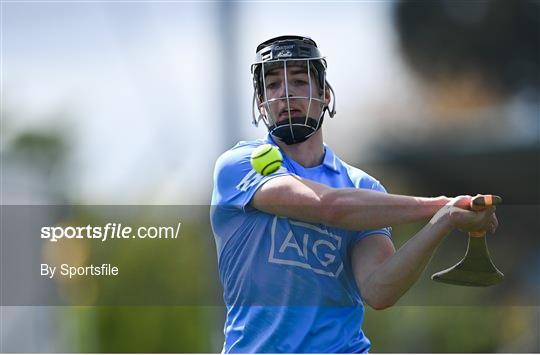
479,202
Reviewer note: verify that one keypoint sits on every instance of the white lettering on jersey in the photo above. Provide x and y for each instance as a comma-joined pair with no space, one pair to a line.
319,250
288,244
251,178
329,257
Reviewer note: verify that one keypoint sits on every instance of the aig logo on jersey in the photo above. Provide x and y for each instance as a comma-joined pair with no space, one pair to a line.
306,246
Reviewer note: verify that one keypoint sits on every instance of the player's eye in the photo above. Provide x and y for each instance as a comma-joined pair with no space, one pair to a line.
300,82
272,85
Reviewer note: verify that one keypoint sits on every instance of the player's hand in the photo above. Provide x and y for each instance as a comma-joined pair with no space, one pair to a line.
458,215
466,220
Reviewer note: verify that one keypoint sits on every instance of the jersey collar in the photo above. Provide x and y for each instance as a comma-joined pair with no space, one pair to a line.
330,160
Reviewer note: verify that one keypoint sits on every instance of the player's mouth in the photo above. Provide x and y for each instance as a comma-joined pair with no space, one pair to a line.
284,114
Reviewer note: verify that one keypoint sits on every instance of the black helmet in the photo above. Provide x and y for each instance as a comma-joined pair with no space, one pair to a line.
278,52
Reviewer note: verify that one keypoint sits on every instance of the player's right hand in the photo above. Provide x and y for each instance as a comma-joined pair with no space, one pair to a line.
461,217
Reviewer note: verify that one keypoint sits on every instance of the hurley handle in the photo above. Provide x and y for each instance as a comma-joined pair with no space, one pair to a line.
479,202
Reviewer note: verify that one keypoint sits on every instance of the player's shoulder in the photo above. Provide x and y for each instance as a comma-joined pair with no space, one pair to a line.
360,178
238,154
235,162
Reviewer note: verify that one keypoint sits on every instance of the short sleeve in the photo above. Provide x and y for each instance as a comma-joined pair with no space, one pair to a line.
372,184
235,181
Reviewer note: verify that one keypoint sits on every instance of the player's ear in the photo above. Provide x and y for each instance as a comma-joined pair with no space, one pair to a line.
262,108
327,96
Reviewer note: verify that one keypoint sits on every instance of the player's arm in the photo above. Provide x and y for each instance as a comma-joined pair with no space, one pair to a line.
384,275
348,208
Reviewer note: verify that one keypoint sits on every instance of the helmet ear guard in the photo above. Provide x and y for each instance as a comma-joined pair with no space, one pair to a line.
278,52
332,111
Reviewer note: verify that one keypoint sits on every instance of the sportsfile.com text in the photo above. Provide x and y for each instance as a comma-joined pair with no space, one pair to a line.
109,231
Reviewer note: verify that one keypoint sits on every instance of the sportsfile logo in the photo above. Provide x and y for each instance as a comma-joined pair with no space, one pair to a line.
318,250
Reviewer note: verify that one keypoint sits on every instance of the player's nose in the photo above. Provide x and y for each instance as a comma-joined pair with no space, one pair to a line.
285,90
282,89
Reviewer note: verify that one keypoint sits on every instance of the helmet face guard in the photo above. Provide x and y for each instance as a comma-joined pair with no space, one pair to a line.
290,88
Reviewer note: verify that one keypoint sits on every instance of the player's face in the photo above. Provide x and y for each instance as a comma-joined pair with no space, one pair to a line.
299,86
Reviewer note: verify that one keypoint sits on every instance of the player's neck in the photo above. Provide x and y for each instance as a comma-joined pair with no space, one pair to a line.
309,153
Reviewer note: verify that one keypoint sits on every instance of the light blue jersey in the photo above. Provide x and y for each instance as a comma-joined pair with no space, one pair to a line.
288,285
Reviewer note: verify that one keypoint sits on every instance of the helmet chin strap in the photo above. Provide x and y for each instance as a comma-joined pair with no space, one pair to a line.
297,130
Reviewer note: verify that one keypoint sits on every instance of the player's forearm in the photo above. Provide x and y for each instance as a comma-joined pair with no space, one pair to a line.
358,209
388,283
